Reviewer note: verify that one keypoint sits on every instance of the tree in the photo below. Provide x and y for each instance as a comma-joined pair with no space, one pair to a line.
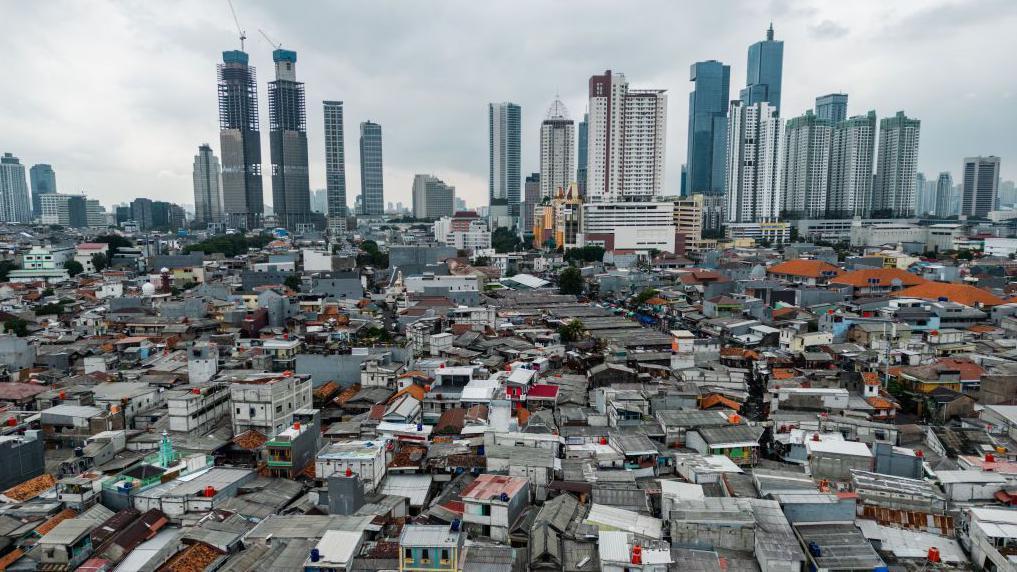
645,295
293,282
585,254
504,240
16,326
372,255
481,261
74,267
100,261
5,268
49,309
229,245
115,242
570,281
572,331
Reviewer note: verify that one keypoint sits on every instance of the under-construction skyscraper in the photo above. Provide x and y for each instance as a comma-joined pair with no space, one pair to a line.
287,119
240,140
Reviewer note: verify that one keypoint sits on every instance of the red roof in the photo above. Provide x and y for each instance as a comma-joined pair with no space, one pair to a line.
543,391
486,486
960,293
805,268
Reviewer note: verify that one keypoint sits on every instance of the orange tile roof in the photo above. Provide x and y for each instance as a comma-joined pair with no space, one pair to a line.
10,558
56,519
881,276
415,391
782,373
960,293
880,403
250,439
968,369
982,329
804,267
31,488
715,399
870,378
196,557
326,390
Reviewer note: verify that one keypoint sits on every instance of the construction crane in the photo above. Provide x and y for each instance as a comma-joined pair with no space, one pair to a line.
243,34
269,40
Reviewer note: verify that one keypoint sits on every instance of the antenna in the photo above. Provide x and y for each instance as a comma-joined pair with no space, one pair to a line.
269,40
243,34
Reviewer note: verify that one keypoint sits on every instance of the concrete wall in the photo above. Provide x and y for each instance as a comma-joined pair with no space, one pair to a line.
20,461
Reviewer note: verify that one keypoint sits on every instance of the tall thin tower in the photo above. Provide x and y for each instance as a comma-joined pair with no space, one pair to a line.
765,71
207,186
372,181
287,118
557,150
240,141
504,176
335,159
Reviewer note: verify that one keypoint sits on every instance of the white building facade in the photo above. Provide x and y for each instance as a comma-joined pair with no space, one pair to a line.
753,163
557,150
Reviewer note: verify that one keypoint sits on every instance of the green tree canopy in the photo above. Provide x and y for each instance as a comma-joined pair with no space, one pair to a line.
572,331
100,261
115,241
74,267
570,281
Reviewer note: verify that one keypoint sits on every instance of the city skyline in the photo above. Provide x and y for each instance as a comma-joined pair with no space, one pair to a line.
162,119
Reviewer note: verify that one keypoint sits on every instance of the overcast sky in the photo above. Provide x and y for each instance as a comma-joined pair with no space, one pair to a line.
117,96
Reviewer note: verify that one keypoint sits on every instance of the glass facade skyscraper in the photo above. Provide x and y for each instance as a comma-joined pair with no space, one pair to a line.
335,159
707,145
240,141
832,107
372,183
504,176
43,181
980,186
287,118
15,204
207,186
765,68
582,133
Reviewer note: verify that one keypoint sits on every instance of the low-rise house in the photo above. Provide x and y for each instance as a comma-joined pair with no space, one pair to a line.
67,545
493,504
365,459
739,443
436,548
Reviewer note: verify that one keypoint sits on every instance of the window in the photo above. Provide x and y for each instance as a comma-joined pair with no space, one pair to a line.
444,555
408,554
425,556
485,510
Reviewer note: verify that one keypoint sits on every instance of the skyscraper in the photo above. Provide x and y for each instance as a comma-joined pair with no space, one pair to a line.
707,147
626,140
581,154
240,141
980,186
207,186
43,181
15,204
765,68
504,122
753,163
531,198
944,195
852,152
335,159
287,118
832,107
805,166
372,181
557,149
432,198
894,192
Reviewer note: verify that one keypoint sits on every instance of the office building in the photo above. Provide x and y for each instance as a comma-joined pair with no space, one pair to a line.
43,181
372,181
944,195
581,154
753,163
319,201
1007,193
805,163
764,71
626,140
639,226
335,159
832,107
166,216
15,204
432,198
557,149
141,212
207,186
240,141
707,146
852,151
95,214
531,198
287,119
64,210
894,191
980,186
504,122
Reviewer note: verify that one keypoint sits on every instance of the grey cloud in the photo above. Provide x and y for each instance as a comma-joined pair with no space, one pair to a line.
828,30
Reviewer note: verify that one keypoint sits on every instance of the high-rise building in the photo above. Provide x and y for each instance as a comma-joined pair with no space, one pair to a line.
532,196
64,210
319,201
708,105
372,181
459,202
432,198
626,141
287,119
43,181
1007,193
504,122
944,195
557,149
753,163
765,68
15,204
581,154
832,107
894,191
852,151
240,141
141,212
95,214
980,186
207,186
805,163
335,159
